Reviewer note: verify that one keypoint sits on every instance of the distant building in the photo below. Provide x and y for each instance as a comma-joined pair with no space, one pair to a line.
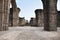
33,22
22,21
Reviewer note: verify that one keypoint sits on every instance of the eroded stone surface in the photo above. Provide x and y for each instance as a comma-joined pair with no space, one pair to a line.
39,17
50,15
32,21
4,14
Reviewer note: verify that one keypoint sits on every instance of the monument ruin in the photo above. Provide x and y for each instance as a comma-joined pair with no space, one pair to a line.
39,17
13,16
50,15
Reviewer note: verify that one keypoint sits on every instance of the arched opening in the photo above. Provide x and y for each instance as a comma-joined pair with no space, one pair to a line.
28,7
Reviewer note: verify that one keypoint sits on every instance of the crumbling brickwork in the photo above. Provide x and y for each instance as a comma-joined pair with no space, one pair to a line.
15,12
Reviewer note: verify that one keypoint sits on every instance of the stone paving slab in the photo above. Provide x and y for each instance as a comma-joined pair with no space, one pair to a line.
29,33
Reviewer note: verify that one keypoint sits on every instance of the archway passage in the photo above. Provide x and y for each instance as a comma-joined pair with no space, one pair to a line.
27,9
50,14
47,23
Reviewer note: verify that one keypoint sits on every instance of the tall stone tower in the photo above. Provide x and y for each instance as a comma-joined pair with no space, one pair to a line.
50,14
4,14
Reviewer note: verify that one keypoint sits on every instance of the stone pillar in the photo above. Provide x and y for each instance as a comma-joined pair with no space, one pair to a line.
22,21
39,17
11,16
4,14
1,13
50,15
15,13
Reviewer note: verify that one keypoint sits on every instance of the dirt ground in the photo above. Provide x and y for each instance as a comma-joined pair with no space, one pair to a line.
29,33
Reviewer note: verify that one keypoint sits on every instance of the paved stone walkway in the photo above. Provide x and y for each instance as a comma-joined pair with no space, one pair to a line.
29,33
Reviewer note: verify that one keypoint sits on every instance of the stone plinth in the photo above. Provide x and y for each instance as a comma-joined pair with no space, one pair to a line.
39,17
50,15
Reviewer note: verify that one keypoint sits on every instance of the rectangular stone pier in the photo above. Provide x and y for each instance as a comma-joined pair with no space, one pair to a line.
50,15
4,14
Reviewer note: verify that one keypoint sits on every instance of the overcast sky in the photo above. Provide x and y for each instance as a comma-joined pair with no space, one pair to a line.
28,7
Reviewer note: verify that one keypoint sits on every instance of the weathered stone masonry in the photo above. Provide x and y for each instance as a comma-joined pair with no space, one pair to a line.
11,16
39,17
22,21
50,15
4,14
15,13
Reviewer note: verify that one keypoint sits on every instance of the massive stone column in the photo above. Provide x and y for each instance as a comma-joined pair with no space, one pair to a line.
39,17
15,13
50,15
4,14
11,16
